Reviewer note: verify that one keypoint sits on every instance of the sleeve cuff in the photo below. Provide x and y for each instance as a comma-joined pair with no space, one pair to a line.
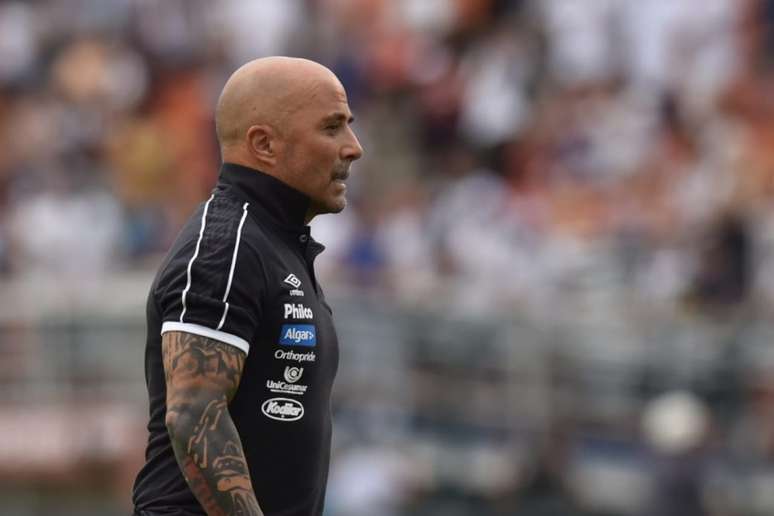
198,329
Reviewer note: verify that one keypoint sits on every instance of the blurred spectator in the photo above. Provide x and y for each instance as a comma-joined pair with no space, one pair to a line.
724,271
676,426
577,90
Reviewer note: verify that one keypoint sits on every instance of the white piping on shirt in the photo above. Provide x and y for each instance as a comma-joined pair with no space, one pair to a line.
233,265
196,253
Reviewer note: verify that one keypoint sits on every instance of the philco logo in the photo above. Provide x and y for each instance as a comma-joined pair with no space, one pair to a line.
293,374
298,335
297,311
281,354
282,409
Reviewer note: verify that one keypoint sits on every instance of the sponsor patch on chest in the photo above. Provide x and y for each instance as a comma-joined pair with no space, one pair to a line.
298,335
281,354
297,311
294,282
289,386
282,409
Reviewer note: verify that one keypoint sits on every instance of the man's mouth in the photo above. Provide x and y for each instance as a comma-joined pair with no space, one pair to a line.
341,176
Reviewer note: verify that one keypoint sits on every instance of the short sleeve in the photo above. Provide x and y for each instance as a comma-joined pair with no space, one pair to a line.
213,283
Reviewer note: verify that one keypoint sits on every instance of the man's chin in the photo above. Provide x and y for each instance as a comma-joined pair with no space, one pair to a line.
338,205
333,206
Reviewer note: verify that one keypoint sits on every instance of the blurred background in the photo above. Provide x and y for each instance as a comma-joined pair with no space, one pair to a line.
553,284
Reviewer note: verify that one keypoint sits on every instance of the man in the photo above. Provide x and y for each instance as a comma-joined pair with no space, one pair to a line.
241,349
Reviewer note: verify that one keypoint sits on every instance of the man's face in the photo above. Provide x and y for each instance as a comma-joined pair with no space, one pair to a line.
320,146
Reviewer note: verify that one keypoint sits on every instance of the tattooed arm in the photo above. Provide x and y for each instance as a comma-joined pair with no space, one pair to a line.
202,376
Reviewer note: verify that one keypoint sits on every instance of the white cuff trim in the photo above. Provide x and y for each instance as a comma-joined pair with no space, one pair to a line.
198,329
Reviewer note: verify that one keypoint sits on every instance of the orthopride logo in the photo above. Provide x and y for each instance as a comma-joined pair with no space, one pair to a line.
298,335
282,354
282,409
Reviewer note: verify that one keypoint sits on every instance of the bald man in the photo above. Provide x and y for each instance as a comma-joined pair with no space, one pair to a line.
241,349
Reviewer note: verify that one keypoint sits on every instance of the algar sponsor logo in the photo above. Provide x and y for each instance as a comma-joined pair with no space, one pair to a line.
298,335
281,354
297,311
282,409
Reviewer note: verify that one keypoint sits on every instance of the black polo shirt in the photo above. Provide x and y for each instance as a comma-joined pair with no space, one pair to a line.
241,271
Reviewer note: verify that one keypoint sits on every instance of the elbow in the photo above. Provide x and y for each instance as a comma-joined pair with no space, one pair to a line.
175,423
171,421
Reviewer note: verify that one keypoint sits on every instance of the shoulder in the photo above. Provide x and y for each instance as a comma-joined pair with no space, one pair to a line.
215,226
213,278
216,234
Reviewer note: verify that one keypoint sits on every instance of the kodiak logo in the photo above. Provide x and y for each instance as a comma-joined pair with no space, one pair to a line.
282,409
298,335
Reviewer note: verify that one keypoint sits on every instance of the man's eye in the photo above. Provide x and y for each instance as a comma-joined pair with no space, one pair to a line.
332,128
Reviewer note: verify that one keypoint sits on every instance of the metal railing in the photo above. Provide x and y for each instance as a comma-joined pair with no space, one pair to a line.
446,389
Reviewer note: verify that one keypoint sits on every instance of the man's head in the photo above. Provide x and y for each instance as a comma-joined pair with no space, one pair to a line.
289,118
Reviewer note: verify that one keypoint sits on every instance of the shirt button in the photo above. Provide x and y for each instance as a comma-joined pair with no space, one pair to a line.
303,239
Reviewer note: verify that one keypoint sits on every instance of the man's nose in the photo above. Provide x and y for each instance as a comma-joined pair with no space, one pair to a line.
352,150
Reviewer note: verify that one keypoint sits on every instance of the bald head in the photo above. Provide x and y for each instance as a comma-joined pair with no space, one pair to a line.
289,118
265,91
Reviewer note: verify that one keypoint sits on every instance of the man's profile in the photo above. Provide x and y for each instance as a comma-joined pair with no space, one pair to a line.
241,349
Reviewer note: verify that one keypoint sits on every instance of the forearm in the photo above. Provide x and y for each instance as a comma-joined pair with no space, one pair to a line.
210,455
202,375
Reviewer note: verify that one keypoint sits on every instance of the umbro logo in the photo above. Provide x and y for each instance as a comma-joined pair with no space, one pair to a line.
293,281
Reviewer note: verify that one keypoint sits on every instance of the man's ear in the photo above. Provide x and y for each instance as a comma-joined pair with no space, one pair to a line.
261,140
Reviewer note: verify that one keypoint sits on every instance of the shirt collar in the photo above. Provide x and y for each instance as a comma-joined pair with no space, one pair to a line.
284,204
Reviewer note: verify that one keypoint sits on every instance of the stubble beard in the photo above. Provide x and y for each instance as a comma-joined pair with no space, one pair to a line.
335,205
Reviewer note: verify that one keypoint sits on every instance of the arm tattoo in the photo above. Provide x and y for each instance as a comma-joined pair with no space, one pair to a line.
202,376
190,356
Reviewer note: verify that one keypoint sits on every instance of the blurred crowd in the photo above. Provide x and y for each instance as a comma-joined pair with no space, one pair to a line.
519,153
597,159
